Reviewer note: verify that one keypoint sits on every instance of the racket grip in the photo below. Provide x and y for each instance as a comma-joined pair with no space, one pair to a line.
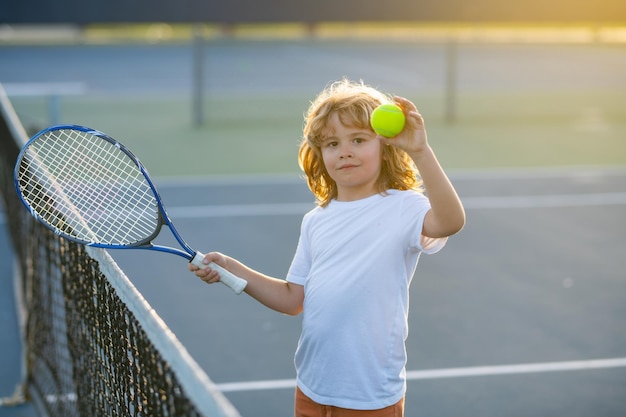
227,278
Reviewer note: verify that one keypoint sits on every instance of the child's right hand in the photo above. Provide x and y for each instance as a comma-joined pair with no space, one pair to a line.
207,274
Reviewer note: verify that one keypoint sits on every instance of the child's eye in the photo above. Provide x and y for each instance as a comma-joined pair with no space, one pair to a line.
359,140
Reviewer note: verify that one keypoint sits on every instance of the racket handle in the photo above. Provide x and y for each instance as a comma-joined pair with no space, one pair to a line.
229,279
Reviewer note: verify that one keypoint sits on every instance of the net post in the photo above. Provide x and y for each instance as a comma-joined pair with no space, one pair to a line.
197,79
54,108
451,79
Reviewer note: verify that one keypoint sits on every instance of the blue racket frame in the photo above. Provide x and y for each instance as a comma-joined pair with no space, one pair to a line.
195,257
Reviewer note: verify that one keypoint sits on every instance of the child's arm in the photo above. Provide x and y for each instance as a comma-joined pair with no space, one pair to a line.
274,293
447,215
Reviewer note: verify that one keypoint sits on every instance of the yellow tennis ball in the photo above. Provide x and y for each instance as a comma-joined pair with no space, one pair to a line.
387,120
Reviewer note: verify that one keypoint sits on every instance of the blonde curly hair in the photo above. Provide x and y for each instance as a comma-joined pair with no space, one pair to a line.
354,103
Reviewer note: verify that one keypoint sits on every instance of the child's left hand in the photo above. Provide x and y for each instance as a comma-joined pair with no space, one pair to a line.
413,138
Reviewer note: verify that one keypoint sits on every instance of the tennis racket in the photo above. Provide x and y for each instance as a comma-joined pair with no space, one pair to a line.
87,187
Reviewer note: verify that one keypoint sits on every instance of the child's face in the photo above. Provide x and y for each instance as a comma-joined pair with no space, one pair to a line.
352,156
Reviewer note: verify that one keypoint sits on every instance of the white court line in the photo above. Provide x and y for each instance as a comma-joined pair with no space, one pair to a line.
475,371
545,201
509,202
569,172
470,203
238,210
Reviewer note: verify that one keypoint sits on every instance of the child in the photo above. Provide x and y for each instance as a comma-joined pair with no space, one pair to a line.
357,252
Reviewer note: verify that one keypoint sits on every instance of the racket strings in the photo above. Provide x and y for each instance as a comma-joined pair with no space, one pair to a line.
124,196
89,188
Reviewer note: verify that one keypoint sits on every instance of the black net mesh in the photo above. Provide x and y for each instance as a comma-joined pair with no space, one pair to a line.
86,352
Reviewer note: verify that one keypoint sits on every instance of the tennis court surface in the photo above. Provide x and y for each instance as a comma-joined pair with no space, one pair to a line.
520,315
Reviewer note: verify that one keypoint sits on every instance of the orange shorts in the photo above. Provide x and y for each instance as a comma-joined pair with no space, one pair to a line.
306,407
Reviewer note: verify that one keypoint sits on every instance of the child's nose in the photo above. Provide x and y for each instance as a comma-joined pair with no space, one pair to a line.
345,151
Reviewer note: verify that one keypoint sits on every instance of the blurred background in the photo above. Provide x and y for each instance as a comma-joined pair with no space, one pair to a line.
500,84
524,104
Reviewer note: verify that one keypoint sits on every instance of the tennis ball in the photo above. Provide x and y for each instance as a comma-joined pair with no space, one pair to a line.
387,120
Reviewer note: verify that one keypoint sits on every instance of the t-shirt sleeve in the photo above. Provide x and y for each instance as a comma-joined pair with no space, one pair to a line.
429,245
301,263
432,245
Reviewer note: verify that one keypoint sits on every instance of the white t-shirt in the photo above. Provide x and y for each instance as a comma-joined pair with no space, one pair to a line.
356,261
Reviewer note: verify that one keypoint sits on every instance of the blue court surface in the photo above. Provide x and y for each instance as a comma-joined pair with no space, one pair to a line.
521,314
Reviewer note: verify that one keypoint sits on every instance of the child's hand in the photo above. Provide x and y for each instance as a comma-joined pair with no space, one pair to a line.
206,274
413,138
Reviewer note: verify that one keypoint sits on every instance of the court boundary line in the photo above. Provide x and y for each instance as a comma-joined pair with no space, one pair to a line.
527,201
464,372
574,171
470,203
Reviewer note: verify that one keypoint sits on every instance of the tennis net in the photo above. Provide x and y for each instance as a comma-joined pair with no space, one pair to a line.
93,345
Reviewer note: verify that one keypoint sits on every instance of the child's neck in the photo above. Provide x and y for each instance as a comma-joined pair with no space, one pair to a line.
354,194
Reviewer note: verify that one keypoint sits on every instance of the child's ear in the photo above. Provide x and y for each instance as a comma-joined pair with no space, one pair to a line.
386,148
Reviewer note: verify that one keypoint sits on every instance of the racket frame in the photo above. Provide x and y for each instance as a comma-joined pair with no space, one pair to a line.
235,283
